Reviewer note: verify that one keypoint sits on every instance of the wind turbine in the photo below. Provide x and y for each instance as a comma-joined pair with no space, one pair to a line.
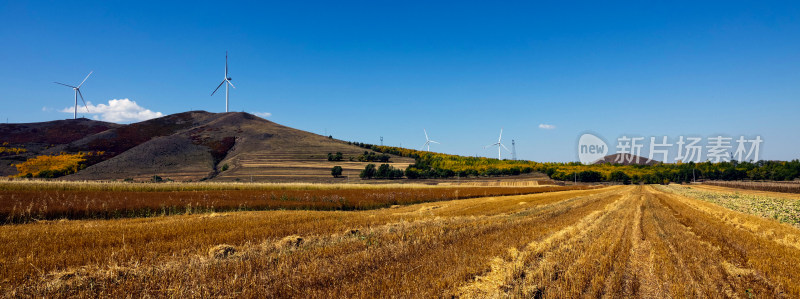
225,79
428,141
499,145
77,90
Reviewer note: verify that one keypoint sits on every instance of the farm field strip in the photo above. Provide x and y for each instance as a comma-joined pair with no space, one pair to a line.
781,207
785,187
619,241
41,185
20,206
746,191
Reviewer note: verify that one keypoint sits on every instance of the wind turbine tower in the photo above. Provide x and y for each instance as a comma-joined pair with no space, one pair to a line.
225,79
428,141
77,90
499,145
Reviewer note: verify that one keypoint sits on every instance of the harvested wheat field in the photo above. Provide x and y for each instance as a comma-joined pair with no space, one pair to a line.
638,241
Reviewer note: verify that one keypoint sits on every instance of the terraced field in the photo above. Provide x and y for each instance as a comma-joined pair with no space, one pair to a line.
306,164
614,241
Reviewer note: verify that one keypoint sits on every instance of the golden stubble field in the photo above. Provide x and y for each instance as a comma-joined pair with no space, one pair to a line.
615,241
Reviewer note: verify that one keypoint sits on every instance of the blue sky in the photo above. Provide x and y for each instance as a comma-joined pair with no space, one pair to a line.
461,70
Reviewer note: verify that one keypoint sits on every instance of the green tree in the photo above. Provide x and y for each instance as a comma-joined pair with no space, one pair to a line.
368,172
383,171
412,173
336,171
621,177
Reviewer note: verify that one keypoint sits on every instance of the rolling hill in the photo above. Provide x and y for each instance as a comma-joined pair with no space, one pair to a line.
195,145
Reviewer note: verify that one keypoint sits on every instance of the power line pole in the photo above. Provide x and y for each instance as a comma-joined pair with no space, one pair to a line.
513,150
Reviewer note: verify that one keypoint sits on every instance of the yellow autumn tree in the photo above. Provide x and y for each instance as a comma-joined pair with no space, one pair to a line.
48,166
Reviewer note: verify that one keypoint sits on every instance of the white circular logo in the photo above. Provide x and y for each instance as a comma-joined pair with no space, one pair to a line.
591,148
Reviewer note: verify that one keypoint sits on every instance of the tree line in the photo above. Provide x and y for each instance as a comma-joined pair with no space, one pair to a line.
429,165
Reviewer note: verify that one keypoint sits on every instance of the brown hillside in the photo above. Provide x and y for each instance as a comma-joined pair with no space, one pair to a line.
52,132
37,138
195,145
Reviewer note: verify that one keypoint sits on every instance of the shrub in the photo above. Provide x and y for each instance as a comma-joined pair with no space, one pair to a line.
338,157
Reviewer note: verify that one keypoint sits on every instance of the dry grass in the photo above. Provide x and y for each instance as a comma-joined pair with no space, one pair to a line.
25,202
53,185
617,241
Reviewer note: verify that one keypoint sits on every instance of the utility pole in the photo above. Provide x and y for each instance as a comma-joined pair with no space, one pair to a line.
513,150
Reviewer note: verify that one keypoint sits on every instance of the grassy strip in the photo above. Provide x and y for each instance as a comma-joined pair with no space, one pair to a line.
782,209
50,185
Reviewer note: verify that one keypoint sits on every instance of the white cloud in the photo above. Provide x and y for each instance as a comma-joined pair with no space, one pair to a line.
118,111
546,126
262,114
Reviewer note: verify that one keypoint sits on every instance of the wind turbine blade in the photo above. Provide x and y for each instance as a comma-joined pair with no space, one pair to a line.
505,148
426,134
226,65
218,86
423,146
435,142
501,135
64,84
82,100
84,79
231,83
491,145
